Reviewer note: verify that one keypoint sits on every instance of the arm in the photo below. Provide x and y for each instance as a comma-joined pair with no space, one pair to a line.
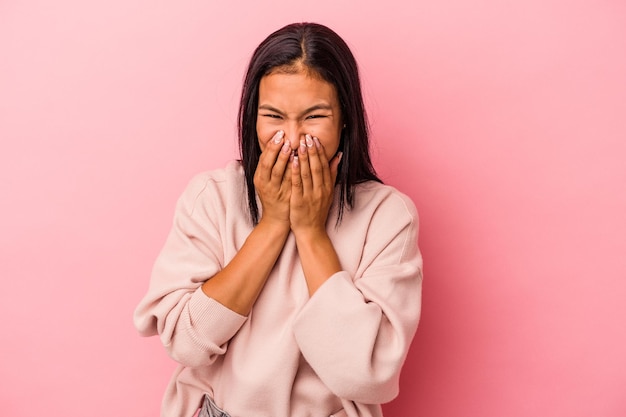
193,328
313,186
239,284
355,331
194,303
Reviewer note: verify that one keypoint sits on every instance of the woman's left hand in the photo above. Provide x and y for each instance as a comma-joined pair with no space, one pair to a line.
312,187
312,191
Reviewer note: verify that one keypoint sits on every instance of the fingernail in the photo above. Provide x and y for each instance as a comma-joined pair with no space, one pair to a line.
339,156
279,136
286,147
295,161
317,141
309,140
302,147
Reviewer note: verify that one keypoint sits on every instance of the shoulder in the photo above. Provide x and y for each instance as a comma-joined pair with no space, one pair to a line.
384,223
231,172
212,186
385,201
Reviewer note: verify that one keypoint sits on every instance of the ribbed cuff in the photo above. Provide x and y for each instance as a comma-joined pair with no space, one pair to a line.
212,322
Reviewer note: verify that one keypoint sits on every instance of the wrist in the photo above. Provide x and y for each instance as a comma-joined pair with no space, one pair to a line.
318,257
310,235
273,226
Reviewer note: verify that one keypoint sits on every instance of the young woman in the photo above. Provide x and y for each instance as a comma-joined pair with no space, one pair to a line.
290,283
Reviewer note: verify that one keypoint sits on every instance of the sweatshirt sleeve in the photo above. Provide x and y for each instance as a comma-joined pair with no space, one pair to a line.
355,331
194,328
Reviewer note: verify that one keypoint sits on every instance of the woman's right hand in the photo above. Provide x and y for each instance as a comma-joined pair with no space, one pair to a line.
272,180
240,282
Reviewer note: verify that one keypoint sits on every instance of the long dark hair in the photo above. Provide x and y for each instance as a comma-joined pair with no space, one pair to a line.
321,50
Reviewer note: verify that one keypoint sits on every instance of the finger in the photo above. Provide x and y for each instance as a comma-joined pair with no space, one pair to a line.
286,180
324,168
269,155
280,166
305,169
296,180
316,164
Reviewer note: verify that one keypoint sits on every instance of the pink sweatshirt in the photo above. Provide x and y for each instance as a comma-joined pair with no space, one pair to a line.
338,352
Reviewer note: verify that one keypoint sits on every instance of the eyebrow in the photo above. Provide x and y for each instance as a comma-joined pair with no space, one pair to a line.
320,106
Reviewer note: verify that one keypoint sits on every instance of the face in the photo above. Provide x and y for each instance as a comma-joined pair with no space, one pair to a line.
299,103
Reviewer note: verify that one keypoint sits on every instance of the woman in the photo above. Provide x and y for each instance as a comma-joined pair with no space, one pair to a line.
290,283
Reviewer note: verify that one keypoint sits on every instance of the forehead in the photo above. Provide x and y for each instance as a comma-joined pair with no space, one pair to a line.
301,86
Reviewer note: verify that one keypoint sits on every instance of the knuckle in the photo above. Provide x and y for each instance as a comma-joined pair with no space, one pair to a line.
316,169
276,170
263,165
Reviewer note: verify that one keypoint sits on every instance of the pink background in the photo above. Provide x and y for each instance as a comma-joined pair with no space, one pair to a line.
504,121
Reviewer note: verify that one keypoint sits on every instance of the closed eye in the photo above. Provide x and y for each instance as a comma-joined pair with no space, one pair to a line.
316,116
273,116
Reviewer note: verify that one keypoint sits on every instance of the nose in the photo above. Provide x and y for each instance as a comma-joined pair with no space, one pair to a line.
293,132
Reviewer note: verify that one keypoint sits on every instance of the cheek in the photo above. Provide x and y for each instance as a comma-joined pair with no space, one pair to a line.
330,138
264,133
